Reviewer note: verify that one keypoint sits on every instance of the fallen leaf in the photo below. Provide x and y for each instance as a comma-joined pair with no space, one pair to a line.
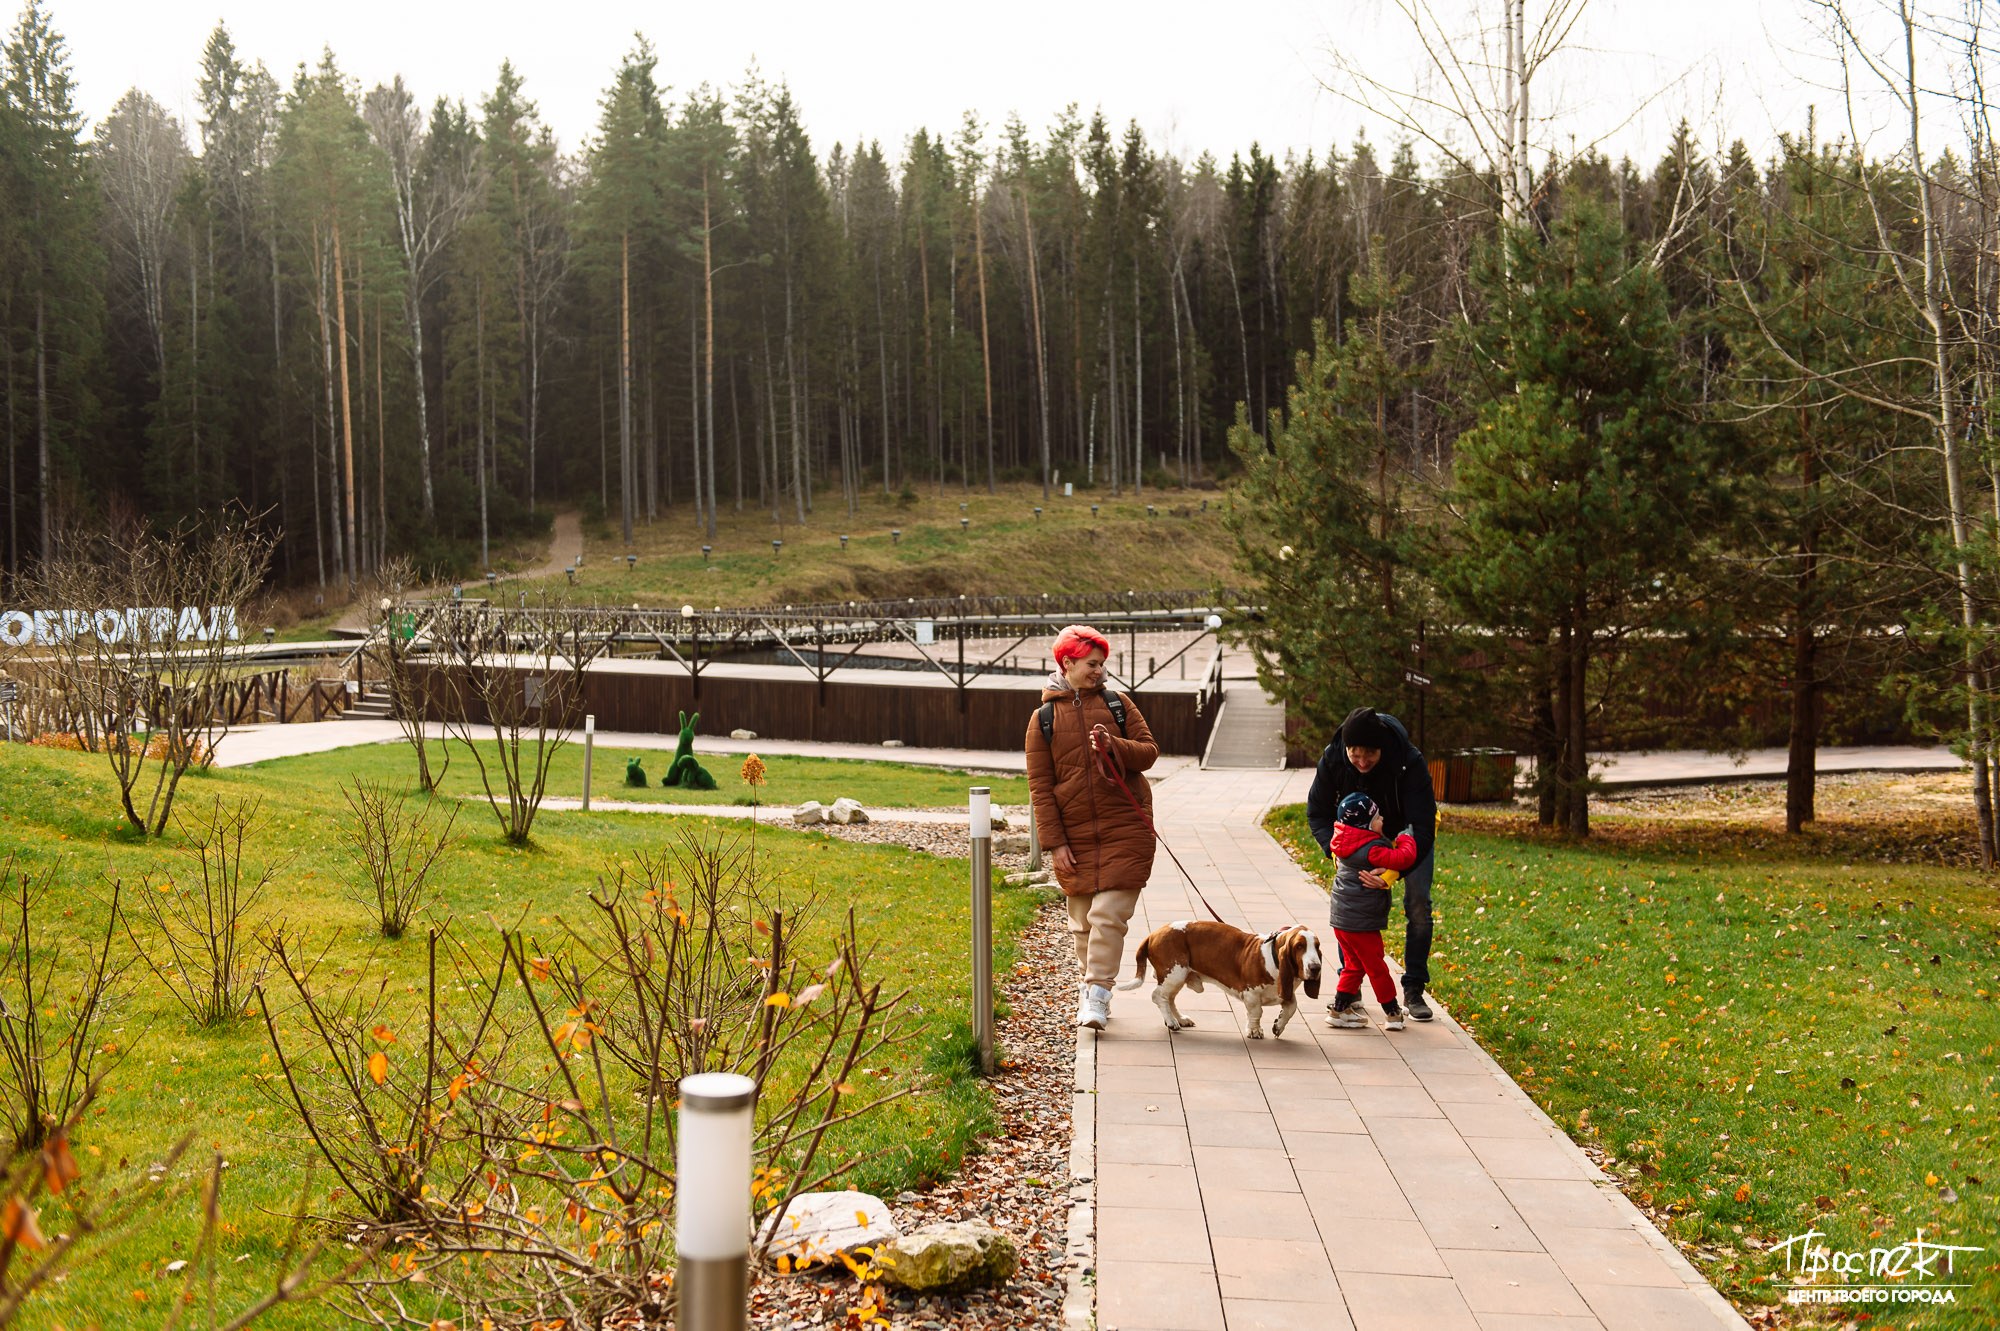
378,1067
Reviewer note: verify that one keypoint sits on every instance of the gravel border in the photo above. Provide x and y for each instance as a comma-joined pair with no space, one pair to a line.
1024,1179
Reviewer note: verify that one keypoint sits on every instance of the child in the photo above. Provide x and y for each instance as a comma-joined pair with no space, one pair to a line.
1359,912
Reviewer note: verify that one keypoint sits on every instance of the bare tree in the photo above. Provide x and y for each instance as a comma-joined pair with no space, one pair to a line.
143,159
138,640
521,672
435,191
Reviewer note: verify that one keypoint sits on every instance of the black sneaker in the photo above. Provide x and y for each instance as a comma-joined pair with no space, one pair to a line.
1413,1003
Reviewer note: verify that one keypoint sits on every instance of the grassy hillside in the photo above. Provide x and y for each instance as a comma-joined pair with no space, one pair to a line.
1003,549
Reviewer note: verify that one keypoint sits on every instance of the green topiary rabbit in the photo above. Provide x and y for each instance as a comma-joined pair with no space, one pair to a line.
686,772
635,773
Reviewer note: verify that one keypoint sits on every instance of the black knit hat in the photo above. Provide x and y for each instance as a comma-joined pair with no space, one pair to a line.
1365,729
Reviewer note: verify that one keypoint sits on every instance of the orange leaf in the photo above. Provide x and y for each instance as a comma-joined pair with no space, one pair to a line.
1743,1193
456,1089
378,1067
762,926
539,966
383,1035
17,1225
778,1000
843,1088
59,1167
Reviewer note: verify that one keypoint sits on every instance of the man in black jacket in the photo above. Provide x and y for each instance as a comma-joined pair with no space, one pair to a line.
1372,753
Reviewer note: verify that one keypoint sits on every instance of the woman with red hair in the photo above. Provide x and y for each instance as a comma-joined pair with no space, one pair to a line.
1101,844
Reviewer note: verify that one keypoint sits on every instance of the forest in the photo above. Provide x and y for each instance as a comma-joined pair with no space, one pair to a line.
1713,425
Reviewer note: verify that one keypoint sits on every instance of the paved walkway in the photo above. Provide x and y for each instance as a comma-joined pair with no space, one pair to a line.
1337,1179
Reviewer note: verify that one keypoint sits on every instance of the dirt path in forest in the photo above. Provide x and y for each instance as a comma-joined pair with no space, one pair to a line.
565,548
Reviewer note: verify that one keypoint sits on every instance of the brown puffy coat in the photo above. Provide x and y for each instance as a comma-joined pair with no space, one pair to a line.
1077,806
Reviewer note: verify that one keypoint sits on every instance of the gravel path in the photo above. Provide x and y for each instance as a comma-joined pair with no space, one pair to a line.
1019,1182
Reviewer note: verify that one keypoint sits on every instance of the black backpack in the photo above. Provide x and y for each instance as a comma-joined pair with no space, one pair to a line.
1047,715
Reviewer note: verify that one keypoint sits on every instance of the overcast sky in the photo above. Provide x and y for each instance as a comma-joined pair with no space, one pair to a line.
1196,76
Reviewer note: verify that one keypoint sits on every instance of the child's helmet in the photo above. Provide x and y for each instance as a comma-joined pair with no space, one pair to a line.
1356,810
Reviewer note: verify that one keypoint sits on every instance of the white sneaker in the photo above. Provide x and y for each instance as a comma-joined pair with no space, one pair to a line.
1094,1010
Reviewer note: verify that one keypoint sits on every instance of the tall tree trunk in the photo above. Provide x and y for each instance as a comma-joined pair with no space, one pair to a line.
323,299
479,409
708,356
1041,358
1138,392
702,520
48,508
381,453
985,336
882,363
625,470
346,408
413,307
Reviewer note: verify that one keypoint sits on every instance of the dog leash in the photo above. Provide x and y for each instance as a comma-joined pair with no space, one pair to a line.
1110,769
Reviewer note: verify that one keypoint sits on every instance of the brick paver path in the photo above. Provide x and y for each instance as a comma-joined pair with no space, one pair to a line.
1335,1179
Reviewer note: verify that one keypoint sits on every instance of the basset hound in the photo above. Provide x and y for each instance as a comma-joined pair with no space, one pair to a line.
1258,969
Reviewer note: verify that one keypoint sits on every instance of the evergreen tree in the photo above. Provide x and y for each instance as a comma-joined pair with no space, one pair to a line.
1585,485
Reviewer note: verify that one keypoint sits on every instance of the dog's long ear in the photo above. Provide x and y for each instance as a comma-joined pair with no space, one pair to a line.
1288,968
1303,942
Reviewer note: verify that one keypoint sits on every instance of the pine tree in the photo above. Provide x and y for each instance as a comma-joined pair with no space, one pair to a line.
1584,486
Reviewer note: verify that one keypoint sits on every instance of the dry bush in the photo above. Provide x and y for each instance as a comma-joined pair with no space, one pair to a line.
198,949
399,847
48,1016
130,673
511,1142
521,672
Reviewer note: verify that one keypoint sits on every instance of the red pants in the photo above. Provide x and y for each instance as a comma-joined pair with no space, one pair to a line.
1363,952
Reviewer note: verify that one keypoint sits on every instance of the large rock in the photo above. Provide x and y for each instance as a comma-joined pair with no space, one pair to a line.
812,811
742,734
947,1258
847,811
892,744
1000,823
818,1226
1011,843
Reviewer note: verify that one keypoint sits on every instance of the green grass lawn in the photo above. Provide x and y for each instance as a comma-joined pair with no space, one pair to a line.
1768,1041
175,1080
789,780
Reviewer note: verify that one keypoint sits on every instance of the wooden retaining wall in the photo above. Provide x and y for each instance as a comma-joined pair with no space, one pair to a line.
853,707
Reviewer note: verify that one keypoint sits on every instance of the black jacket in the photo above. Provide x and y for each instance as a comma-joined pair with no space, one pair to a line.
1400,785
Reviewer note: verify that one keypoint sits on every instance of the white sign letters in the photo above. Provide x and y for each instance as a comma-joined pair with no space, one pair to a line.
140,627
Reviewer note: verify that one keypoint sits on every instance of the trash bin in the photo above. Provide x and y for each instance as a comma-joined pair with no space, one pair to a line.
1473,776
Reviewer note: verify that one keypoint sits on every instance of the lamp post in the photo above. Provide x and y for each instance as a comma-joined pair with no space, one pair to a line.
704,554
589,743
843,544
982,924
712,1202
895,536
776,545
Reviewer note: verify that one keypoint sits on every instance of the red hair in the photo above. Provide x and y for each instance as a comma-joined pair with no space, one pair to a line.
1078,640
